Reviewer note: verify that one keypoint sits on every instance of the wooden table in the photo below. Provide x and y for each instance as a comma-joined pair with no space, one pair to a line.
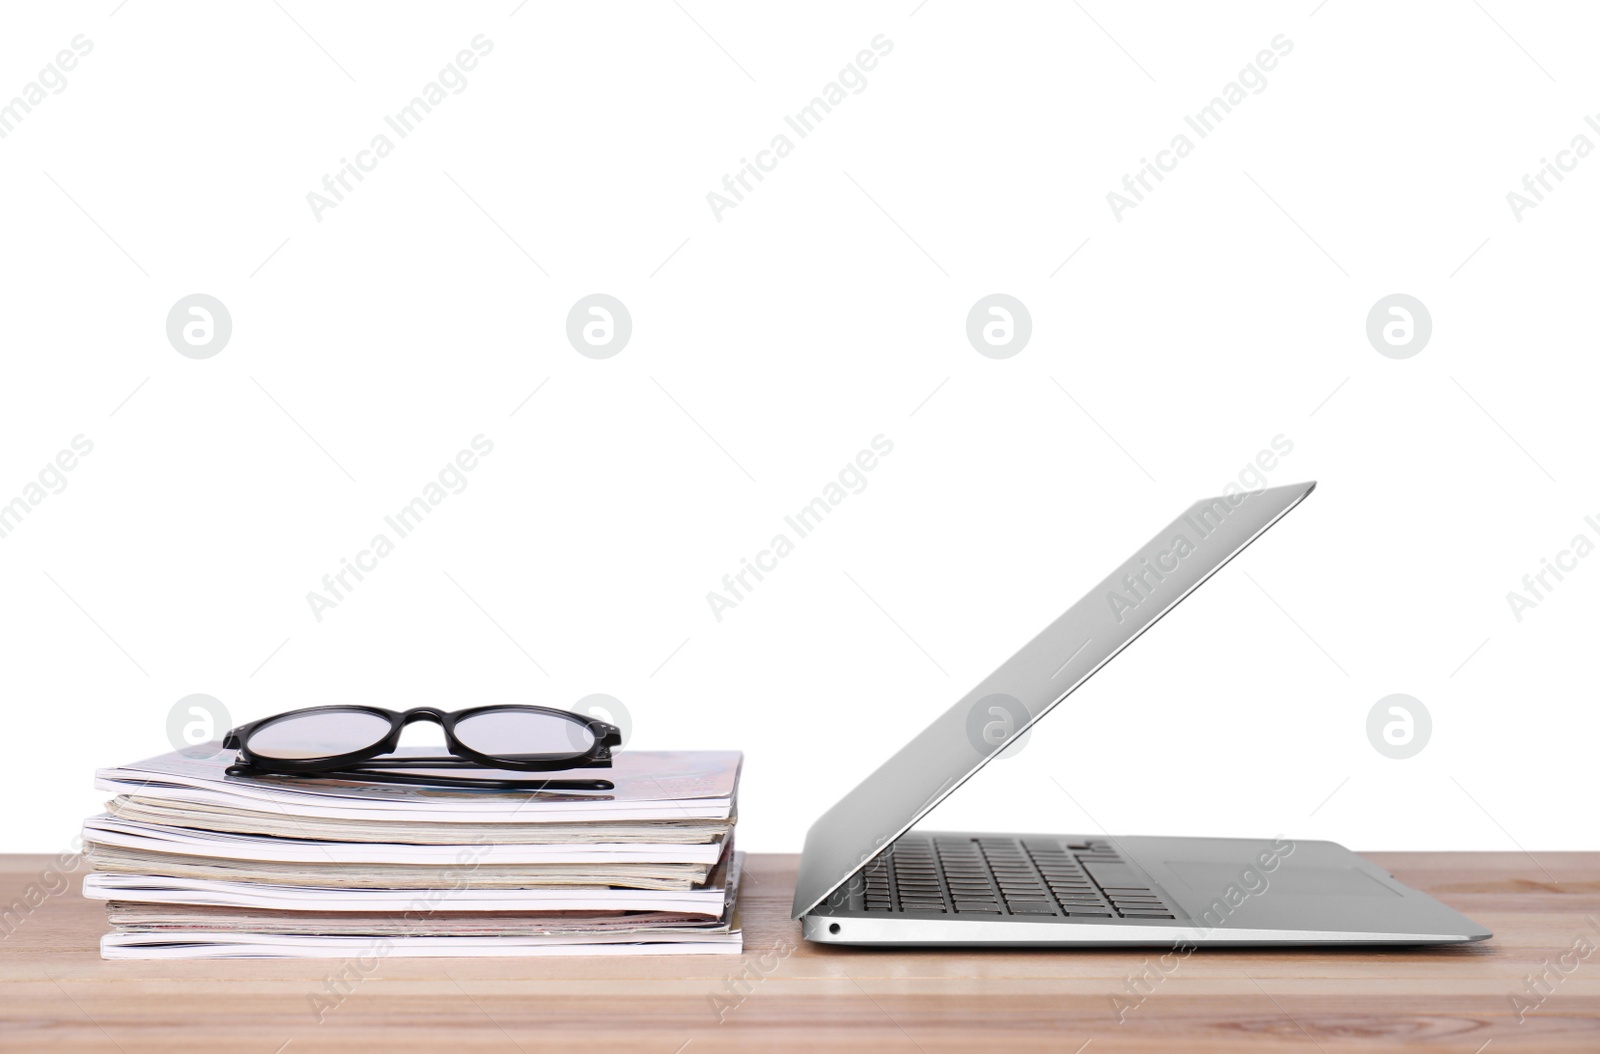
782,994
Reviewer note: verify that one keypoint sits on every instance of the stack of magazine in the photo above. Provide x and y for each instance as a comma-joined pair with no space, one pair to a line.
195,863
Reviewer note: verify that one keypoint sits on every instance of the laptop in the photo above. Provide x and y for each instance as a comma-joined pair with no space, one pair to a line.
867,878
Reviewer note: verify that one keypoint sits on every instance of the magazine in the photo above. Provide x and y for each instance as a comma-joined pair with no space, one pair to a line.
193,862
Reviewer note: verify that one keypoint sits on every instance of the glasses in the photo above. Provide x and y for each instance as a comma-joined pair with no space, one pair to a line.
323,740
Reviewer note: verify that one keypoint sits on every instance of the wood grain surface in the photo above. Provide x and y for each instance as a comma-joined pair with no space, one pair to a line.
56,994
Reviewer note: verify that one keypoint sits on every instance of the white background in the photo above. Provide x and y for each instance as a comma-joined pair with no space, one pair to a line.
770,346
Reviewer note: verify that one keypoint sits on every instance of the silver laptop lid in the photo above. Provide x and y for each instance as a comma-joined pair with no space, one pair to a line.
1047,669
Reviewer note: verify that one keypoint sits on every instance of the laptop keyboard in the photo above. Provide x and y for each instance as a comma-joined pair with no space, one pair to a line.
1025,877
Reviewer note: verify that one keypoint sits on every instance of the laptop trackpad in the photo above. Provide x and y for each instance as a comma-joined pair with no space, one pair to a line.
1309,880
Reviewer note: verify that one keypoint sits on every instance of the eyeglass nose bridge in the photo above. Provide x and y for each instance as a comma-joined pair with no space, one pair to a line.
422,713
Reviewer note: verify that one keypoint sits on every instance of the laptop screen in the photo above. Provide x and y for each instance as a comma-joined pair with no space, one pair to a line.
1047,669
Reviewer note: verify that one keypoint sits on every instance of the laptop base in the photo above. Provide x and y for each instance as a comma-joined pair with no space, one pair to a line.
1010,890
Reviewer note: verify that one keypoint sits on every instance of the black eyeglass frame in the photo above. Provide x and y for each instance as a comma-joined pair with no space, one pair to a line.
606,736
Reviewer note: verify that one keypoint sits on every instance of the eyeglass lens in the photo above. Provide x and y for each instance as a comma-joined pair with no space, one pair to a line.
514,733
323,734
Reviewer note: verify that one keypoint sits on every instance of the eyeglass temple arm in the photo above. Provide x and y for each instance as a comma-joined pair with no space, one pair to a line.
452,762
